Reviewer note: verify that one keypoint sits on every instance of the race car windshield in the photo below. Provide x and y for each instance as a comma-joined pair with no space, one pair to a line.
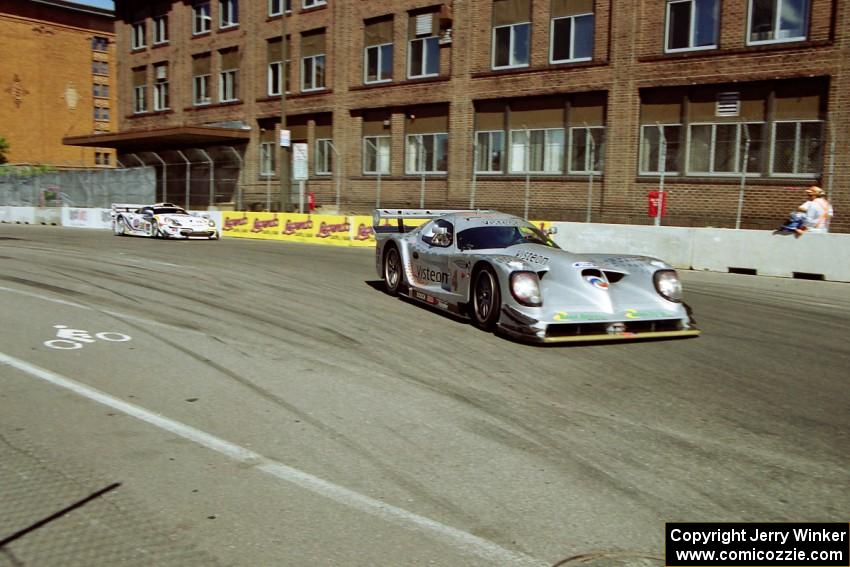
169,211
483,237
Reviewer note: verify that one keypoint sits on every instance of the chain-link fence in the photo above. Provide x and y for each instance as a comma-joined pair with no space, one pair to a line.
80,188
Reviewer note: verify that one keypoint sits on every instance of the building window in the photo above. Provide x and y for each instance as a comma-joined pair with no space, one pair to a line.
427,153
274,7
313,73
379,63
424,57
101,113
99,44
324,157
312,3
274,78
587,149
160,88
572,38
691,25
537,151
160,29
100,91
773,21
228,12
267,159
139,102
376,154
201,90
201,18
138,35
718,149
489,152
227,91
100,67
797,148
650,148
101,158
511,46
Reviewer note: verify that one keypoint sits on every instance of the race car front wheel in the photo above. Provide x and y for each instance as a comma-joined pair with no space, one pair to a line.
120,226
392,270
486,298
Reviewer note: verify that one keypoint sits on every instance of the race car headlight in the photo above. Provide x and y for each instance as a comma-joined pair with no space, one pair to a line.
525,287
668,285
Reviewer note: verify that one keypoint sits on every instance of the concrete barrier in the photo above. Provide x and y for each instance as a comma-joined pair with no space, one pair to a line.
18,215
757,252
86,218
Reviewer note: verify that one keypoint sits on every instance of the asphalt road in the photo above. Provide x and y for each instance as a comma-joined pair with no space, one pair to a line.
272,406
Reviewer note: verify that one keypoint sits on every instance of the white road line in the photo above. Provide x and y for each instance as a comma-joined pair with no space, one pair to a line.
459,539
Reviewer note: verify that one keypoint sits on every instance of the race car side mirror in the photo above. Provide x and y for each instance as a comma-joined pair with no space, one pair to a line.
552,230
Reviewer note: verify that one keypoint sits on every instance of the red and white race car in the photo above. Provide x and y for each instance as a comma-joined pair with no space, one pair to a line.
161,220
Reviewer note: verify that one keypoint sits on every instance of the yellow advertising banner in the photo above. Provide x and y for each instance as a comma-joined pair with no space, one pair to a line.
362,233
320,229
235,223
250,225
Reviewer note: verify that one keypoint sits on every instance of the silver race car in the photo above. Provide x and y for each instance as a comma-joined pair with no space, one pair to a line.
162,220
505,274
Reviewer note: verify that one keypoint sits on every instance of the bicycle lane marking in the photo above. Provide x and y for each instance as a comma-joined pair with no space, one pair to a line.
458,539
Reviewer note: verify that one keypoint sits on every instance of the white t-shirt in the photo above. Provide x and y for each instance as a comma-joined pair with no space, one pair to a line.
818,212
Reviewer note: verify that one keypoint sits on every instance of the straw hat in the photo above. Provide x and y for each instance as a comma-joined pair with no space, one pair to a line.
814,190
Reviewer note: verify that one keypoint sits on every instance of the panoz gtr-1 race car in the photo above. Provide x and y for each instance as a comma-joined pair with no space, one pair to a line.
507,275
161,220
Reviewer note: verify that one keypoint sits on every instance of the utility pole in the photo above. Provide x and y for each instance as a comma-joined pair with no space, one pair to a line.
283,154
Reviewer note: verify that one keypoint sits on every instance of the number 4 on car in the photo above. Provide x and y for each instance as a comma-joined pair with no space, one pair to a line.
505,274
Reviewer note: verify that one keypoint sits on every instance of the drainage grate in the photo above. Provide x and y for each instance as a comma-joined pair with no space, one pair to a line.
745,271
807,276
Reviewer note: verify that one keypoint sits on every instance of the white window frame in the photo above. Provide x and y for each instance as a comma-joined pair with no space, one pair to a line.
268,153
502,151
201,89
641,146
275,69
692,29
598,152
736,172
777,7
281,6
304,88
139,35
511,64
572,58
140,99
547,148
228,85
380,52
228,14
160,96
160,29
306,4
414,153
201,18
797,139
425,60
324,157
382,149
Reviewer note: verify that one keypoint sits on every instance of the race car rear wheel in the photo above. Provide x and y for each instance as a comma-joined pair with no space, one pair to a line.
486,298
120,226
392,270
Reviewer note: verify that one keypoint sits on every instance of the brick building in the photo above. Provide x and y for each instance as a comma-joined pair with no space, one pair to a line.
55,79
563,109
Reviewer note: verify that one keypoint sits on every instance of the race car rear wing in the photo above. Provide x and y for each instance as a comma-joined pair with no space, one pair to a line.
411,214
124,208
